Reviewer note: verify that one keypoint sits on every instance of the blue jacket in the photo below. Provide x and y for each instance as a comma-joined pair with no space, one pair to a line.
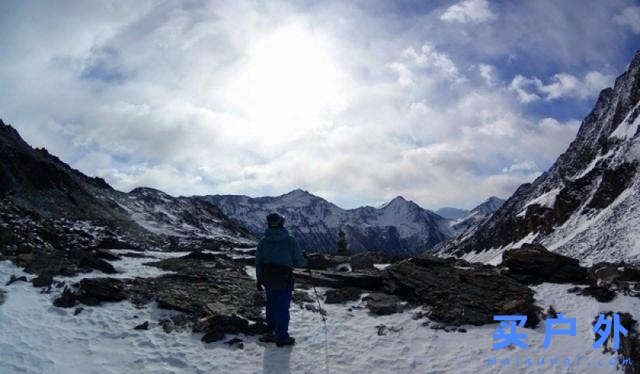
278,248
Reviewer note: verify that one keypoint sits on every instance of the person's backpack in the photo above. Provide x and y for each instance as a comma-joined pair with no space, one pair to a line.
277,276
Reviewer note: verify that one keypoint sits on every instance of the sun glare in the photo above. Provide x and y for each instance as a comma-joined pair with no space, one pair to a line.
290,82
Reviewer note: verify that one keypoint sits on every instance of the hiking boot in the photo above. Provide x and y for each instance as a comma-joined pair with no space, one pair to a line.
268,338
287,341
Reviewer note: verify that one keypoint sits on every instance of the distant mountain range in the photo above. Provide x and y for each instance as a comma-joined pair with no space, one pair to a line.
587,205
38,182
399,227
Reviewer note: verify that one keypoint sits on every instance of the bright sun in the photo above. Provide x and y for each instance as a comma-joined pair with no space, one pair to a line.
290,82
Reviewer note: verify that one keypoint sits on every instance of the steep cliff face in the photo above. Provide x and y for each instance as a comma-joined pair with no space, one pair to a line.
585,205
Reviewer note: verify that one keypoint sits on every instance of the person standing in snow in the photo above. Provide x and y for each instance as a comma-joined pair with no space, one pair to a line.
277,254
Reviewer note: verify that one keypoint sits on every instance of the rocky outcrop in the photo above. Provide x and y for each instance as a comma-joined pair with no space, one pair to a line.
382,304
66,300
14,278
534,264
371,280
457,292
361,261
142,326
42,280
605,273
342,295
101,289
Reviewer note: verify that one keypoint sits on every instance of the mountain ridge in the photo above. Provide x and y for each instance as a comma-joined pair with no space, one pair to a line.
41,183
399,227
585,204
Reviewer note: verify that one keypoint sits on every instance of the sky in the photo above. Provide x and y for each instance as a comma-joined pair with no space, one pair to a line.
443,102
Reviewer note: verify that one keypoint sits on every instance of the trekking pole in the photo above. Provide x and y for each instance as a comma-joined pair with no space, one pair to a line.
324,321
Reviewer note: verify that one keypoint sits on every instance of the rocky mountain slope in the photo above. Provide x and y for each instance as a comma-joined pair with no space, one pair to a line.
398,227
477,215
37,185
586,204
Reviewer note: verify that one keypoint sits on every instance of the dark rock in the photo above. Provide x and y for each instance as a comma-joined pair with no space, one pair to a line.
66,300
228,324
136,255
382,330
43,280
106,254
534,264
103,289
458,296
89,261
371,280
613,182
2,296
167,325
201,291
605,273
602,294
575,289
114,243
551,313
14,278
78,311
383,304
342,295
212,336
142,326
462,329
198,264
88,300
362,260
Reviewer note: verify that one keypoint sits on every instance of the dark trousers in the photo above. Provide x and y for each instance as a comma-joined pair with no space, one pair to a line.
278,302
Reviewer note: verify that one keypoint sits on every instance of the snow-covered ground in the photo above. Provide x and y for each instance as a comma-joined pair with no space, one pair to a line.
40,338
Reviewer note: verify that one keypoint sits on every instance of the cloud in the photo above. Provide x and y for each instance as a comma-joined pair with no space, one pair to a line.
562,85
520,84
469,11
426,63
355,103
488,73
630,17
